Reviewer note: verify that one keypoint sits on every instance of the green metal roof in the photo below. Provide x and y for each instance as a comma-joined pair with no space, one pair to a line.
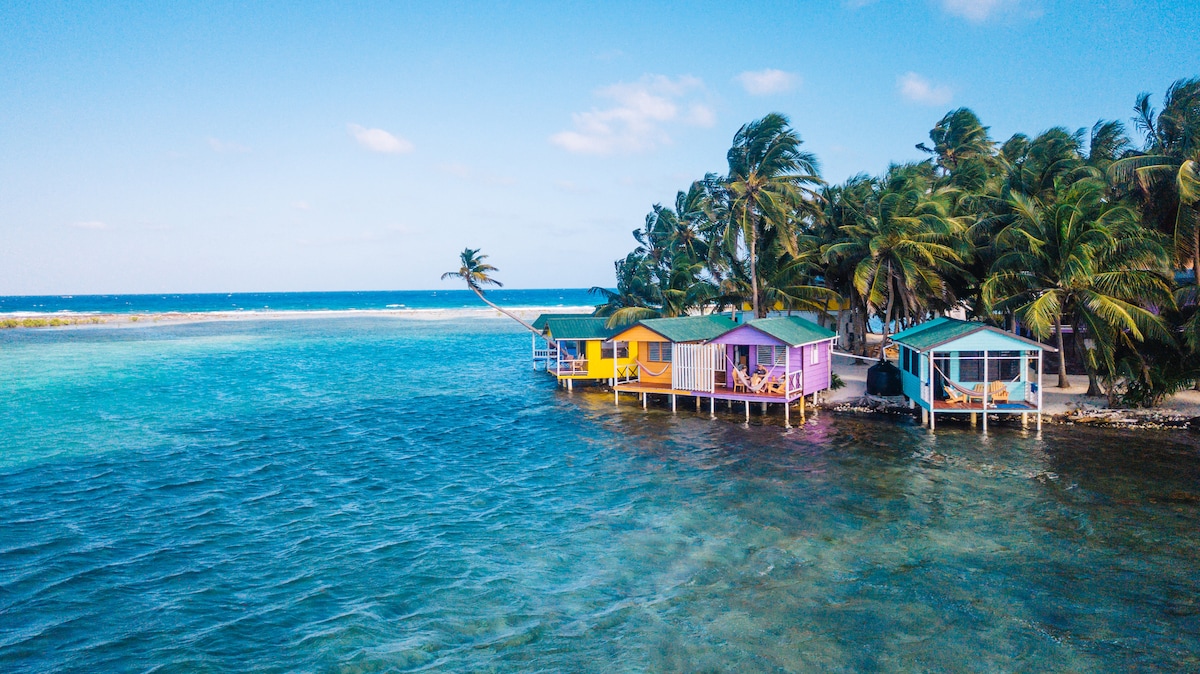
792,330
585,327
920,327
941,331
540,322
690,328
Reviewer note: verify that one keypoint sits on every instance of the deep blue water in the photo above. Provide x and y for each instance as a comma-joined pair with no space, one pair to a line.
380,494
314,301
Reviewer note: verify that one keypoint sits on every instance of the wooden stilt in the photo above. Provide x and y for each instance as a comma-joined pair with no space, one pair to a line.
697,403
924,417
787,415
1024,420
712,408
764,408
747,411
974,419
570,384
616,397
645,397
672,403
802,414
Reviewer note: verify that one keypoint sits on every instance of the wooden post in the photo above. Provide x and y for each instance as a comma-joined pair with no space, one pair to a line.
747,411
924,417
645,396
986,389
1039,398
787,414
712,408
672,403
974,419
570,384
697,403
932,394
533,348
616,397
803,417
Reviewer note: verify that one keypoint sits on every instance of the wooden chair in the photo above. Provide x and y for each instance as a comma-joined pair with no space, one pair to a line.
954,397
997,392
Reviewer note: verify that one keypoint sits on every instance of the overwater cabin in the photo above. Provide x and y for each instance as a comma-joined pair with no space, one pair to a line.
775,360
544,352
769,361
949,366
657,342
586,351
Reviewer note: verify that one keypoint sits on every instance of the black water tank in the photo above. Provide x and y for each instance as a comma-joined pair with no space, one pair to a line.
883,379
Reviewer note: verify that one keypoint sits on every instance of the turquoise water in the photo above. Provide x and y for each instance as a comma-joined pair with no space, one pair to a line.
375,494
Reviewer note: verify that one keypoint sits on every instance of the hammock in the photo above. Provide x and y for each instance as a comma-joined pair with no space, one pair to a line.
968,392
652,373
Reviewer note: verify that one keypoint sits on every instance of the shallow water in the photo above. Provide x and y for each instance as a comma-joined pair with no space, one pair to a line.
375,494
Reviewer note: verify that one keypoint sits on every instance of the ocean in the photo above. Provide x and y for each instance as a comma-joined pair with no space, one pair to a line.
374,493
293,301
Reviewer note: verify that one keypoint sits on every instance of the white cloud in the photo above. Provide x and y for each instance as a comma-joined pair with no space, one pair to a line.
302,206
637,119
95,225
378,140
226,147
769,81
920,90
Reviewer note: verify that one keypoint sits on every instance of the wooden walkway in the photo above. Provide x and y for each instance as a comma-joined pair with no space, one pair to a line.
720,393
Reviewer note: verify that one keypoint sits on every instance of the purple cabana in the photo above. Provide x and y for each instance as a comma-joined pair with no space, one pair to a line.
794,355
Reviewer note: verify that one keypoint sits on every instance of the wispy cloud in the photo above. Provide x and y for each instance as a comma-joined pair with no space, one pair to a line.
769,81
918,89
978,11
639,116
378,140
226,147
302,206
94,225
856,4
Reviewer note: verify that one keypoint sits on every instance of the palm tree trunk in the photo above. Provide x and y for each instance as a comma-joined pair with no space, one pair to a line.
1062,356
514,317
887,318
754,268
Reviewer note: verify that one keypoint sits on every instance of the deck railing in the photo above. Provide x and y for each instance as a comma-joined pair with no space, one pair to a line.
627,373
575,366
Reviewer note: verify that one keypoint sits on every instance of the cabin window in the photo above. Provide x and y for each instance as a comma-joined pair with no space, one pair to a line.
771,355
814,355
658,352
970,366
606,349
1006,365
906,359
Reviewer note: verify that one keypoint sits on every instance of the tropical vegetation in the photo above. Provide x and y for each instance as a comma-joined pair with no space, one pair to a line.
1080,232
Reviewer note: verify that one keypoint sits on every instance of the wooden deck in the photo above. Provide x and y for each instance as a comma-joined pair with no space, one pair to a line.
1015,407
720,393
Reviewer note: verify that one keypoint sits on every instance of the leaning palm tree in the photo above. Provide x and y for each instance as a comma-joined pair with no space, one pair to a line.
477,275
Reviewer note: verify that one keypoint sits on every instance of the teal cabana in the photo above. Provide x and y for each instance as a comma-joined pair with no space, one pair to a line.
950,366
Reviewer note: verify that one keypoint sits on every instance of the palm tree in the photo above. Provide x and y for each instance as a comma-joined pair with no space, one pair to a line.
770,180
958,138
477,275
1080,258
1167,176
904,246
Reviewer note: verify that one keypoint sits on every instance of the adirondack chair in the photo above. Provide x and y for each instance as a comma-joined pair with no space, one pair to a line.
997,392
954,397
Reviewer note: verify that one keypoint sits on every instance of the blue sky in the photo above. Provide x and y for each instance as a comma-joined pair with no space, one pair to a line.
307,147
